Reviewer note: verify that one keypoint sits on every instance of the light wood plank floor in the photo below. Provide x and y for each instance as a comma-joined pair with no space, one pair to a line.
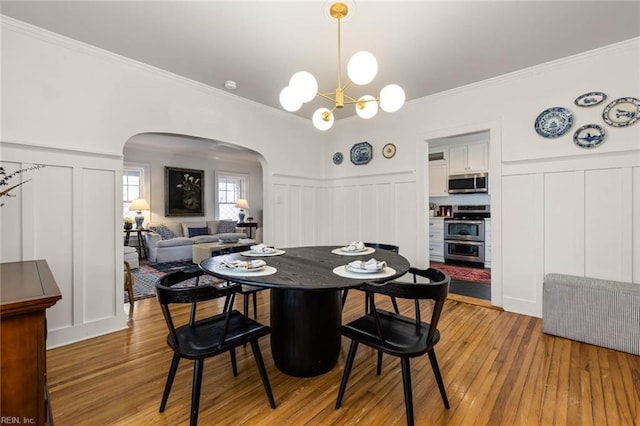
498,368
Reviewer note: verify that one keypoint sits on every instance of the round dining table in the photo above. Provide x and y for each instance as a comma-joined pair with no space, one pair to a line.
306,305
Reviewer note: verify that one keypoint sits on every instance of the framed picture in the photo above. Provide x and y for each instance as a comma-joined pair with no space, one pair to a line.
183,192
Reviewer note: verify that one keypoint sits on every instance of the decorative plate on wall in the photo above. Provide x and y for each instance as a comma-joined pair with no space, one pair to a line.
361,153
389,150
590,99
589,136
553,122
337,158
622,112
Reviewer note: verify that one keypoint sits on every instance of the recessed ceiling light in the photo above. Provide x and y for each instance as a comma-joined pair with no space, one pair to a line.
230,85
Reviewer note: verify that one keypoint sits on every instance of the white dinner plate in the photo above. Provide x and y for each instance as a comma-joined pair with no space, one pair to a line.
255,272
252,253
340,251
362,271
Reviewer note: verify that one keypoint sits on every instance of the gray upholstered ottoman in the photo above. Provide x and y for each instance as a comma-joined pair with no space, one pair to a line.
131,256
600,312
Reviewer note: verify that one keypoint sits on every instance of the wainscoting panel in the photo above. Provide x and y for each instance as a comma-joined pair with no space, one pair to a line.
53,231
522,243
605,222
99,295
564,223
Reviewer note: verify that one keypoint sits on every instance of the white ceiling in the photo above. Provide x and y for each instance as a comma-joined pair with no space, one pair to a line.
425,46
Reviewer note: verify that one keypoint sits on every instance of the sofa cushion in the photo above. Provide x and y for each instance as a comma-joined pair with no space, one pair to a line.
226,226
213,226
199,239
194,232
231,236
165,233
173,242
186,225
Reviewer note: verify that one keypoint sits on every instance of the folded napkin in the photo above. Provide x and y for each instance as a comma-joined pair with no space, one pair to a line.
354,246
369,265
263,248
246,265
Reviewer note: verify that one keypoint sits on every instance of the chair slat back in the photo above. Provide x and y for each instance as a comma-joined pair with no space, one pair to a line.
383,246
167,294
437,290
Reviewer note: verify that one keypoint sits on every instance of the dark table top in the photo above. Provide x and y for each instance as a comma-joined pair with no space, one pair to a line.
310,268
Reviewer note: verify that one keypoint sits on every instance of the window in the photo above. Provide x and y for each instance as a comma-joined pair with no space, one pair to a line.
230,188
133,186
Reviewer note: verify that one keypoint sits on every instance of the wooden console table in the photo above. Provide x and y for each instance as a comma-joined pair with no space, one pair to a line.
28,289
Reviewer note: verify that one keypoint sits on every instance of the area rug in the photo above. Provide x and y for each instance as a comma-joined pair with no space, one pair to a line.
463,273
146,276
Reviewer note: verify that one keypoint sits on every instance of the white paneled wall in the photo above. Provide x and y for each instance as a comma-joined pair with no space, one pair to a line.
581,217
376,208
59,216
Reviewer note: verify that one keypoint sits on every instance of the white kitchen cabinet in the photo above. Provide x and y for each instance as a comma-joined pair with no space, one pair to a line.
438,180
436,239
487,243
438,172
469,158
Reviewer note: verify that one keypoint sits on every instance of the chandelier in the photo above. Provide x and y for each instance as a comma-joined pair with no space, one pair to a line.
361,69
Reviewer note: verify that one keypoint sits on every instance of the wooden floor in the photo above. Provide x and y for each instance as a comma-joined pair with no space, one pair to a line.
498,368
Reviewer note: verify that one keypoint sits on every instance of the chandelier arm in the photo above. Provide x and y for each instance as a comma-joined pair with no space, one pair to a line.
326,96
350,99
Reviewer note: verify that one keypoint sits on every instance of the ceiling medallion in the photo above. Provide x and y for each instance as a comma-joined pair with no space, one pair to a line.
361,69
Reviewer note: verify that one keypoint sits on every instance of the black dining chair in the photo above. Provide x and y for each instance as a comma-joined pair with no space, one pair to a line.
367,296
204,338
246,291
401,336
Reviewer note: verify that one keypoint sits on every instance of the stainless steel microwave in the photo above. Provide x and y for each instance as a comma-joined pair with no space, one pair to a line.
469,183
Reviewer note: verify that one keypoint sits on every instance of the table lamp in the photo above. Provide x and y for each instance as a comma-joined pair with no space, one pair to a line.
242,204
138,205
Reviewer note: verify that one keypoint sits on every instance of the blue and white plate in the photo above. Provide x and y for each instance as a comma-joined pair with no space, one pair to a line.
590,99
622,112
589,136
554,122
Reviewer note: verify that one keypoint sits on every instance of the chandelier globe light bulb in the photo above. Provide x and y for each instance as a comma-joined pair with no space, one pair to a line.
322,119
391,98
367,107
304,86
362,68
289,101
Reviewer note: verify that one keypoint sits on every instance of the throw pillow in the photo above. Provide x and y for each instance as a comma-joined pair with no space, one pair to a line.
165,233
194,232
226,226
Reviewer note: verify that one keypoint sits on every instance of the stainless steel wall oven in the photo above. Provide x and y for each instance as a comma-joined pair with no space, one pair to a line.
464,234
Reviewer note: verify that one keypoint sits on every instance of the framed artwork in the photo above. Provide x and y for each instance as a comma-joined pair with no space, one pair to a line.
183,192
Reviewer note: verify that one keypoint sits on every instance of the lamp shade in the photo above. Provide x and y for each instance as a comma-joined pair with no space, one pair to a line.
304,86
362,68
391,98
288,100
366,107
242,203
322,119
139,204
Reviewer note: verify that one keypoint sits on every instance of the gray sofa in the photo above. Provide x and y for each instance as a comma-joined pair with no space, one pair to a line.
173,241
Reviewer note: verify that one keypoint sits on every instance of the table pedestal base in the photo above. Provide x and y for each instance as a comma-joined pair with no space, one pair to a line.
304,330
